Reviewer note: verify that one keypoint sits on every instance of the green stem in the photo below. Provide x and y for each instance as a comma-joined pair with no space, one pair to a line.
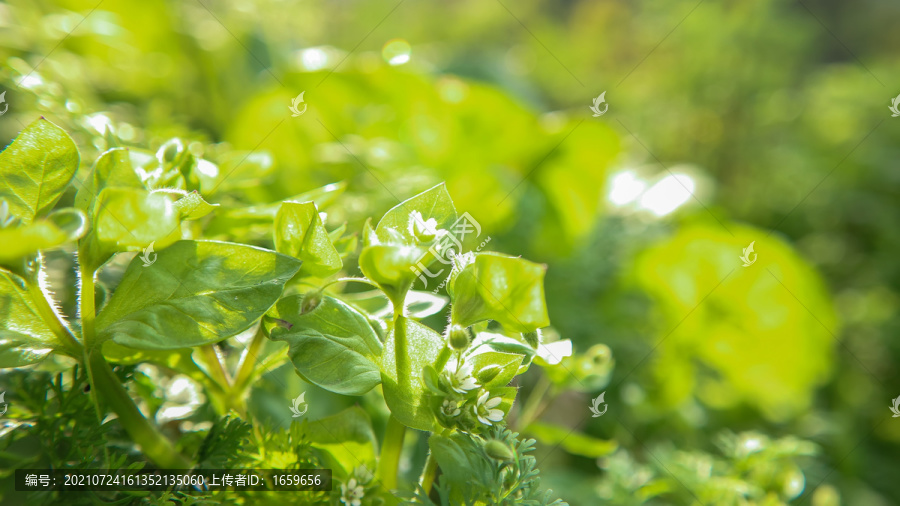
442,358
401,347
389,462
49,316
530,411
428,473
88,311
248,361
154,445
215,367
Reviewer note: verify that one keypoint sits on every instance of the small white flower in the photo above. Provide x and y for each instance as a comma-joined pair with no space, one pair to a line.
462,381
450,408
424,229
352,492
484,409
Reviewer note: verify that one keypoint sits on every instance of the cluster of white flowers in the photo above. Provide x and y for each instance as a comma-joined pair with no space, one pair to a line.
461,381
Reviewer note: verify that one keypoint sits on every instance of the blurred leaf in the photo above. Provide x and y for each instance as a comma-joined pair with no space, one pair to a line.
113,169
572,441
347,435
197,292
192,206
36,168
126,218
391,267
299,232
767,331
59,227
332,346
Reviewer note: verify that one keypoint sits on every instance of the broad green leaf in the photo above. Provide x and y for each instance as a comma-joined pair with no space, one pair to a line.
197,292
299,232
348,436
392,267
332,346
59,227
24,337
113,169
433,203
496,287
127,219
458,460
192,206
36,168
411,408
572,441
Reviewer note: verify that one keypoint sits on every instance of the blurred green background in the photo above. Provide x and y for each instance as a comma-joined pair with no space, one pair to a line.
774,113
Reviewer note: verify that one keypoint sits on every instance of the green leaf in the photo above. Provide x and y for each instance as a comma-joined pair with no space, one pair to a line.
197,292
458,460
299,232
36,168
113,169
193,207
496,287
126,219
573,442
332,346
433,203
348,435
411,408
24,337
60,227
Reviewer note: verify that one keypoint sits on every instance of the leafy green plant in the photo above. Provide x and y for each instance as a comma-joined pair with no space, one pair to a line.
169,306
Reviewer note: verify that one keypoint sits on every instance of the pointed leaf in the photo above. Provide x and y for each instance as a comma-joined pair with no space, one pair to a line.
197,292
60,227
299,232
433,203
36,168
24,338
411,407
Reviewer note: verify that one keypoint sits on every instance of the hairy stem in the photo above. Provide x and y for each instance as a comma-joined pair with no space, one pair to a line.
86,303
389,462
110,391
428,473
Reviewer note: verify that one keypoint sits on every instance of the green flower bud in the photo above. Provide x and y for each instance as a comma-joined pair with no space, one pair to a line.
488,373
170,152
533,338
498,450
459,337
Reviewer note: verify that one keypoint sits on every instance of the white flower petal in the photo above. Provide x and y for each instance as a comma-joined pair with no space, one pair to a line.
493,403
495,415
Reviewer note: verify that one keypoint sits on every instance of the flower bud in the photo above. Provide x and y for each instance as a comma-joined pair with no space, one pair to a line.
488,373
459,337
498,450
533,338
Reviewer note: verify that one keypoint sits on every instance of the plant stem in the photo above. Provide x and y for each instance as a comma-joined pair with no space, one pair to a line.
214,364
442,358
530,411
389,462
108,388
86,302
248,361
49,316
428,473
401,351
